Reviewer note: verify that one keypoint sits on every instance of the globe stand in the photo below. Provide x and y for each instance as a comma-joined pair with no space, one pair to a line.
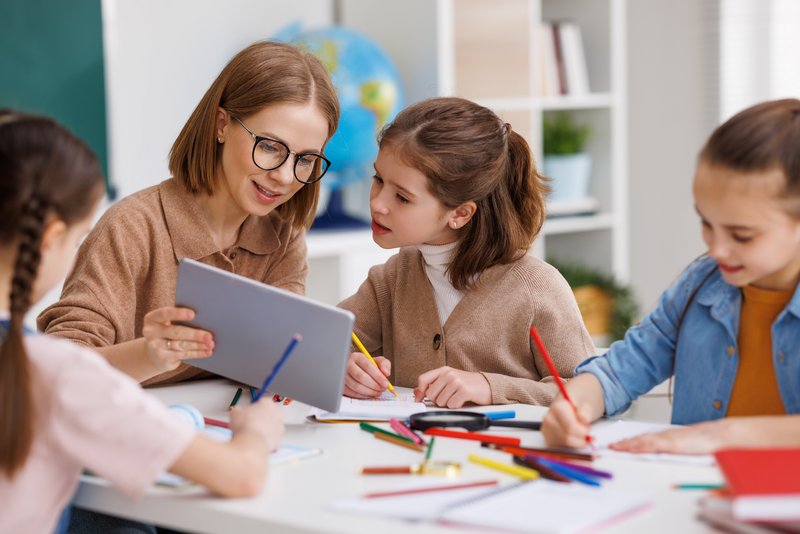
335,218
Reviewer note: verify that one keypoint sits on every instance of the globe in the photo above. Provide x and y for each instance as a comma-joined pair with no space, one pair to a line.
370,95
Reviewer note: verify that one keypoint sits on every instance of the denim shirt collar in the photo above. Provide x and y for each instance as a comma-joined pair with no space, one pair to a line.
724,301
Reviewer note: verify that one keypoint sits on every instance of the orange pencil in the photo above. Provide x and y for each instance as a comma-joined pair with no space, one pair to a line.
553,371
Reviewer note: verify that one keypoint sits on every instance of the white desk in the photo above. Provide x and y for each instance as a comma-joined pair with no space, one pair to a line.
297,496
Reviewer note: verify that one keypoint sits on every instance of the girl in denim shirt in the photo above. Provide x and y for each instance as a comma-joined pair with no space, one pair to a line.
729,328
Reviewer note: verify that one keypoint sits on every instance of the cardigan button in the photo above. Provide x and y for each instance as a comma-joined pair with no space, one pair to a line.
731,350
232,255
780,357
437,341
717,405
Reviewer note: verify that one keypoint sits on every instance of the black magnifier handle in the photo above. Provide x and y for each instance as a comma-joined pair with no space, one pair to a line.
530,425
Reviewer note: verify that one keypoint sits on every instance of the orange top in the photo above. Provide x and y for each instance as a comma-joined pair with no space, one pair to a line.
755,390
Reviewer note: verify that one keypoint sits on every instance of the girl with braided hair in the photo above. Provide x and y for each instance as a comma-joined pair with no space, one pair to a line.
457,190
63,408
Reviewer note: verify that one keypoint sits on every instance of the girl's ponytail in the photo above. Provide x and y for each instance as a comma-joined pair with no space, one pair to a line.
526,189
46,172
17,414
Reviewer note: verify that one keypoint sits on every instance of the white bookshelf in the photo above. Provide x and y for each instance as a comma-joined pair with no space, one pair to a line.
487,51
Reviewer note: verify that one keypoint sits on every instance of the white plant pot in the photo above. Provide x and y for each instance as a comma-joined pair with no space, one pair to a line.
569,175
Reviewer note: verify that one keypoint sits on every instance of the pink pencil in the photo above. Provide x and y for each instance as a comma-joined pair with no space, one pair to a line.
430,489
403,430
553,371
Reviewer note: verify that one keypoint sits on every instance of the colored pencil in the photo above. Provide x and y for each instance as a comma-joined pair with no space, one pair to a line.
236,397
576,467
253,393
553,371
429,450
398,440
525,473
544,471
698,486
568,472
403,430
546,452
485,438
216,422
507,414
297,338
463,485
372,429
366,353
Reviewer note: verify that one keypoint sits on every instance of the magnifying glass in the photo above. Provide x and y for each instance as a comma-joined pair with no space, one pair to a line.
466,420
449,469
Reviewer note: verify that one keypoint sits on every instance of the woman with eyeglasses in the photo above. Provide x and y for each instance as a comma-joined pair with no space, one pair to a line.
244,189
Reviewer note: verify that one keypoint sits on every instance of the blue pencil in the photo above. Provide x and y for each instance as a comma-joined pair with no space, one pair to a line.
580,468
568,472
288,352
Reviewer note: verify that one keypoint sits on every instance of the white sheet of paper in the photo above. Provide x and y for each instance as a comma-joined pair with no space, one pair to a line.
547,507
381,408
606,432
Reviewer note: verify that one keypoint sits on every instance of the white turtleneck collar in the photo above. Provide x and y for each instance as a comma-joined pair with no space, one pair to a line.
437,258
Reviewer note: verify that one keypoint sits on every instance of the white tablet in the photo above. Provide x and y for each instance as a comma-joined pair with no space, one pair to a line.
253,323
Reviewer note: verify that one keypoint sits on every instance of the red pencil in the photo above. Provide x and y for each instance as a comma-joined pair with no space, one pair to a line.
430,489
485,438
215,422
553,371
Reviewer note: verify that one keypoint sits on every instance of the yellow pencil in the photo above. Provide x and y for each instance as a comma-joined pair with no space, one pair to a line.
366,353
516,470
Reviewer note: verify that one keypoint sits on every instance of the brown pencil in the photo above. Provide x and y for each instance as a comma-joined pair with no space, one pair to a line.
399,441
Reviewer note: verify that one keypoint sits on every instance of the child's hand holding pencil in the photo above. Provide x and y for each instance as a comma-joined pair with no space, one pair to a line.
367,377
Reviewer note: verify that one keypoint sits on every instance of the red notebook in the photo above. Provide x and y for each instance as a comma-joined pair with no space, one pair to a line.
764,483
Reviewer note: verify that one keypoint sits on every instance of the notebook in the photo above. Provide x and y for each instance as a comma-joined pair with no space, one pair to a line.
540,506
764,483
253,323
382,408
716,511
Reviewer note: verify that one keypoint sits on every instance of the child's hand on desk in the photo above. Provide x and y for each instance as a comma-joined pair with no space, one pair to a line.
263,418
562,427
168,343
702,438
364,380
452,388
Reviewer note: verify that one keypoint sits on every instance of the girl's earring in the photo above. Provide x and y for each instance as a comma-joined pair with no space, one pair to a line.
219,140
454,225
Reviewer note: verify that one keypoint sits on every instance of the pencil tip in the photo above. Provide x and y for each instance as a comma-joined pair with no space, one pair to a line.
298,337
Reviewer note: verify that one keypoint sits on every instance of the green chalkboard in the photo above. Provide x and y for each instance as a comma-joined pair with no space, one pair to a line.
51,62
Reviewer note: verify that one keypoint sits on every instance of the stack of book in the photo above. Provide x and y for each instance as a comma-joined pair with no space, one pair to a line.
563,60
763,491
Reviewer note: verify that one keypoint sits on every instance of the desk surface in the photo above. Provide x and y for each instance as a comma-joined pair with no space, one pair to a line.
297,496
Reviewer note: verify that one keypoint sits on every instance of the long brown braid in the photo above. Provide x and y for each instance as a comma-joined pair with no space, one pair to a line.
45,172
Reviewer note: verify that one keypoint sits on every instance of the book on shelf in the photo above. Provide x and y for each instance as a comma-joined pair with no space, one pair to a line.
563,59
764,484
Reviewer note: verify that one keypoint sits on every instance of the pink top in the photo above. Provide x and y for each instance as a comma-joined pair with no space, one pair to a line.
89,415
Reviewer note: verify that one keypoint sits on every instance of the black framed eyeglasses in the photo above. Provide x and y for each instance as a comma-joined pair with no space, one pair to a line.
269,154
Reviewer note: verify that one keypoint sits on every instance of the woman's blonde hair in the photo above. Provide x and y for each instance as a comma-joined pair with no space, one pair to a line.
262,74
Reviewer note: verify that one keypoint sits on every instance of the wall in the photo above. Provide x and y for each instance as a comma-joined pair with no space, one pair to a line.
51,62
672,86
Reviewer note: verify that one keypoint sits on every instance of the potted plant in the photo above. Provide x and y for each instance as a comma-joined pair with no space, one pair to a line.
566,161
608,307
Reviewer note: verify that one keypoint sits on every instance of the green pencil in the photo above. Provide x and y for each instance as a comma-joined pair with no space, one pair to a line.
236,398
698,486
430,448
374,429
